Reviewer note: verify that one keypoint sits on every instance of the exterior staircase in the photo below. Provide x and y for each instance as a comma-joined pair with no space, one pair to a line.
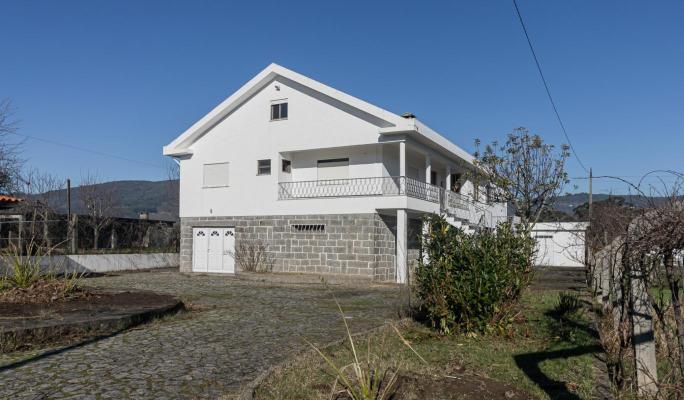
559,278
460,223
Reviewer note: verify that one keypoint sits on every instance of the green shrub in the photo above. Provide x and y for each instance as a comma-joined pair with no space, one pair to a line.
469,282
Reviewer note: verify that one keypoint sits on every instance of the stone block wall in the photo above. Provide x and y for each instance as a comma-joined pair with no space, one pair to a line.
352,244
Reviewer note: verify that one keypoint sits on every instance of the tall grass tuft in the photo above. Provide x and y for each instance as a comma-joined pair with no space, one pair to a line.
364,378
22,269
568,303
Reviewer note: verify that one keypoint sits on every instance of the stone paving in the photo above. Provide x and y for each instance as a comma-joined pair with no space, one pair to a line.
237,328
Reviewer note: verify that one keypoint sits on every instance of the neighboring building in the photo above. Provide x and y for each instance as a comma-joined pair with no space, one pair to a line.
9,202
560,244
330,183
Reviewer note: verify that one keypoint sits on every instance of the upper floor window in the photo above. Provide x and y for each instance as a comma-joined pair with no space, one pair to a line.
287,166
264,167
278,110
333,169
215,175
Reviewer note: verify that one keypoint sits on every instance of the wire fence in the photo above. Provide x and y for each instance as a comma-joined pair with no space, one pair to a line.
83,235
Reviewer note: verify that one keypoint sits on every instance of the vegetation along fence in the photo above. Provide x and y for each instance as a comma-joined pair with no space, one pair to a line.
84,235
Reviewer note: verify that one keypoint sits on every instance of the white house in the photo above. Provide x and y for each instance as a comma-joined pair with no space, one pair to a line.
560,244
330,183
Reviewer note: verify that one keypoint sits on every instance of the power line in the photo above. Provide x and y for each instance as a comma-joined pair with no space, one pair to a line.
627,176
546,86
83,149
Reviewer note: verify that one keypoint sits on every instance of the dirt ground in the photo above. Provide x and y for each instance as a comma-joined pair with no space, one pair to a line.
92,303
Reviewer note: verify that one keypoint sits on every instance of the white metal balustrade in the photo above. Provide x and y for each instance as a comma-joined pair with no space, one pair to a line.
355,187
451,203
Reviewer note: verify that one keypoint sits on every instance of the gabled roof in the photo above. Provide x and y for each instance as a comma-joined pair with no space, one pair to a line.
181,145
388,123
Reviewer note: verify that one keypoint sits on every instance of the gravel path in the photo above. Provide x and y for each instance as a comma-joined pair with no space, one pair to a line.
236,329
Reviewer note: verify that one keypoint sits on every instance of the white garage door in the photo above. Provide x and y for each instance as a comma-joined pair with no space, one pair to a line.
213,250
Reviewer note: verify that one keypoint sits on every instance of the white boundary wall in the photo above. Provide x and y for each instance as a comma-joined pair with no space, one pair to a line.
107,262
560,244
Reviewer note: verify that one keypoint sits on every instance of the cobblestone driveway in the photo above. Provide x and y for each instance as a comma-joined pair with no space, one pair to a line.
245,327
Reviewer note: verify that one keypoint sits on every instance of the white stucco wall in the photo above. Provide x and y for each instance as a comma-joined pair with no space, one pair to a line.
317,127
560,244
105,262
248,135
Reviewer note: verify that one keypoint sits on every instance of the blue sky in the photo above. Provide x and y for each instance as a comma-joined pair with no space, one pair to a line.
125,78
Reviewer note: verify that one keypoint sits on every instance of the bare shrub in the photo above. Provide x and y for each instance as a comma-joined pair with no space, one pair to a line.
253,256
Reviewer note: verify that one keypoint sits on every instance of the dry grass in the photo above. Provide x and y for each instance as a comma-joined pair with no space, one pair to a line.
309,377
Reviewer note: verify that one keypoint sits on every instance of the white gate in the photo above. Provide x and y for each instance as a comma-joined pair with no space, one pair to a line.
213,250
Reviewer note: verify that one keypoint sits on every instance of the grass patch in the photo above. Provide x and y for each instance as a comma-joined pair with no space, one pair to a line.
547,355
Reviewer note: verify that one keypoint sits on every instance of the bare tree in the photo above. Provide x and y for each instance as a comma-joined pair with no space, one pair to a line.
525,172
40,198
99,200
172,185
10,160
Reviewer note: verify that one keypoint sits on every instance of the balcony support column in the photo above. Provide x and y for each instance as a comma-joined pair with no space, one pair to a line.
448,177
402,158
402,247
402,167
428,168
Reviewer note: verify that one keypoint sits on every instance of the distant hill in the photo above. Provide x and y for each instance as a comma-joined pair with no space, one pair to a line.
569,202
159,199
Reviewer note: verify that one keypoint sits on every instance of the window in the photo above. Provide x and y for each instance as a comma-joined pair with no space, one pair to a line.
278,111
433,177
264,167
287,166
215,175
337,168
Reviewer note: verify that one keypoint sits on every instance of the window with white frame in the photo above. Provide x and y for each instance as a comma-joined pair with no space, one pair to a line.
279,110
264,167
215,175
333,169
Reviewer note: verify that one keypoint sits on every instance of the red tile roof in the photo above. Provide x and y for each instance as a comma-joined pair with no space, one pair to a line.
9,199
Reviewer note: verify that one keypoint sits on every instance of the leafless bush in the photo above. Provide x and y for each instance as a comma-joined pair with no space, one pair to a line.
253,256
648,246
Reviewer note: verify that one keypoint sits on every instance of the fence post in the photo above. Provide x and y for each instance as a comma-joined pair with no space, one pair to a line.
20,235
643,338
73,234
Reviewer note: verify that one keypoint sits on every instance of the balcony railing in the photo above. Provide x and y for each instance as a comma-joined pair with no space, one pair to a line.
354,187
375,186
451,203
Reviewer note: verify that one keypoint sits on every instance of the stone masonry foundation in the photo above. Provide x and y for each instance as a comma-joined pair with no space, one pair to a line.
361,245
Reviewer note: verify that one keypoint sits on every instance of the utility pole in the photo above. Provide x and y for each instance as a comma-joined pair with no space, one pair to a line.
68,199
586,233
591,197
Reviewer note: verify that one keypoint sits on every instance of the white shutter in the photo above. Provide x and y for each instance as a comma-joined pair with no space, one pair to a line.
215,175
333,169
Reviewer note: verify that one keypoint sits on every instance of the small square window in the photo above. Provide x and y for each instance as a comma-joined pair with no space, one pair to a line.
264,167
287,166
278,111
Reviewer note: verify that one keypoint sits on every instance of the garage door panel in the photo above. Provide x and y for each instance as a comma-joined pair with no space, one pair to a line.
200,248
215,250
229,250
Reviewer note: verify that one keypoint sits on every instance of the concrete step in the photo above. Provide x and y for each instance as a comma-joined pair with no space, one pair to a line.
559,278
